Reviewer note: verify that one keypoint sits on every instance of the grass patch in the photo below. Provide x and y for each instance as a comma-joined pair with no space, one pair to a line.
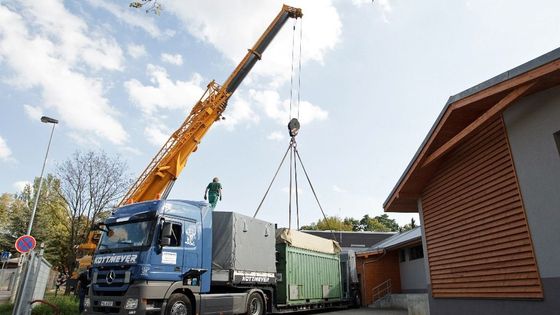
68,305
6,309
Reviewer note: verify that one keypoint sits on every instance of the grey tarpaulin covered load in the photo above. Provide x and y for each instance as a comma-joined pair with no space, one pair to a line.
307,241
243,249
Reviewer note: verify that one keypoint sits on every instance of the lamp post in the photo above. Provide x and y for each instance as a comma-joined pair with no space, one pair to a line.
22,298
46,120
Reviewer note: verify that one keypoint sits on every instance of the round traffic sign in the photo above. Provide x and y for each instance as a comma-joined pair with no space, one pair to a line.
25,243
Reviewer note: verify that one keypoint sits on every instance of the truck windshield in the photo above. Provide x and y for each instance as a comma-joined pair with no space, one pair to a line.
128,235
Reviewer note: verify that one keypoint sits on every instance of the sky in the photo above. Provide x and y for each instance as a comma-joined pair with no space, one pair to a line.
374,77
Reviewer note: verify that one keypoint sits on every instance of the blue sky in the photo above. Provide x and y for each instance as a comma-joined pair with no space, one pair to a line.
374,78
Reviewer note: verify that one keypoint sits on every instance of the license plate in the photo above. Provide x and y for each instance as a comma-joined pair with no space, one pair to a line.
106,303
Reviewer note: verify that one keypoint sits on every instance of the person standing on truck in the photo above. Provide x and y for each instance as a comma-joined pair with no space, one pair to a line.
213,192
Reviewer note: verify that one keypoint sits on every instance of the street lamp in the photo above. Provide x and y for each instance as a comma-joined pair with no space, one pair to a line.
46,120
21,305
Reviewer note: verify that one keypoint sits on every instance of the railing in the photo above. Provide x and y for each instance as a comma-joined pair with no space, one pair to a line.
381,290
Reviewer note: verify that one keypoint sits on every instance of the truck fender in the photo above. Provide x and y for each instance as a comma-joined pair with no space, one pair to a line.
172,288
261,293
179,287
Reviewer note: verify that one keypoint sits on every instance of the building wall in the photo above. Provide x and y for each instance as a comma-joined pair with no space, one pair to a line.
413,276
376,269
477,236
549,305
530,125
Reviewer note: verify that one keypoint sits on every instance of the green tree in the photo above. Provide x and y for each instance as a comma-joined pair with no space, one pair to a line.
330,223
50,225
408,226
352,222
368,223
391,224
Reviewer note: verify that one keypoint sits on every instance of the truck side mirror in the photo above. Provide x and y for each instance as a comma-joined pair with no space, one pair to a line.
167,230
165,241
166,233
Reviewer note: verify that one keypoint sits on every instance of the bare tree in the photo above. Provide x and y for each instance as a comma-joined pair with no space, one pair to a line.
92,183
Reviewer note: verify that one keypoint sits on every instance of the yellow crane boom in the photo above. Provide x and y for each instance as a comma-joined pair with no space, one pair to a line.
157,179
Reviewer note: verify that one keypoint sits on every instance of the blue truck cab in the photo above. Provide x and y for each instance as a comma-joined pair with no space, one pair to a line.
152,253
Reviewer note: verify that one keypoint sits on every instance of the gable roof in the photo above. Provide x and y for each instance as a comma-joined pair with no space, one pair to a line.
465,113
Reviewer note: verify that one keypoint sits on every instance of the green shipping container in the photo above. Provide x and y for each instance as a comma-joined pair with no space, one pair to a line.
307,277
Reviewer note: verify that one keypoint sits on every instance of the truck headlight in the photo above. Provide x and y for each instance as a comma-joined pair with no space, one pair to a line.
86,302
131,304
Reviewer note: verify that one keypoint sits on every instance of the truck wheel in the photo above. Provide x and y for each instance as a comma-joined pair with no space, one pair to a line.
255,304
178,304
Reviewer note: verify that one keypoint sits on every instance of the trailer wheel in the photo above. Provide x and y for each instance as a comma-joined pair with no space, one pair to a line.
255,304
178,304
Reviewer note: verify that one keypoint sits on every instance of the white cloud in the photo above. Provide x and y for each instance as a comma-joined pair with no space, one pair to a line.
33,112
280,110
176,59
136,51
228,28
20,185
337,189
130,150
276,136
135,18
50,52
238,111
84,140
156,135
384,5
5,152
164,93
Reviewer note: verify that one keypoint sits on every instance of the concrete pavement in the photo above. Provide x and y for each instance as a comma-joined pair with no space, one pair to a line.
367,311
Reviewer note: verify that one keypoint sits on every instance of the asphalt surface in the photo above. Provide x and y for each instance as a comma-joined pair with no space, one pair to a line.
367,311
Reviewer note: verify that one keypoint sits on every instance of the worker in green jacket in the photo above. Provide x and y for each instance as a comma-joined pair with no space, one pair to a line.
213,192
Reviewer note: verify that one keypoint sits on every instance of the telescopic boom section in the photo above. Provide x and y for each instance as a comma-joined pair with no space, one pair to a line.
157,179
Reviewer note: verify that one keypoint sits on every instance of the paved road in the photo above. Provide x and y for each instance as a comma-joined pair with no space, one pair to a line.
367,311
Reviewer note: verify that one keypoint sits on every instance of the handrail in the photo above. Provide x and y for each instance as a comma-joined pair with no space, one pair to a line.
381,290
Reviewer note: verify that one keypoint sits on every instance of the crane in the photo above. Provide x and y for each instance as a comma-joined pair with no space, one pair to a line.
157,180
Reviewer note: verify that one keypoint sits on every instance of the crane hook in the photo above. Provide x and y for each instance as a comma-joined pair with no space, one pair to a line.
293,127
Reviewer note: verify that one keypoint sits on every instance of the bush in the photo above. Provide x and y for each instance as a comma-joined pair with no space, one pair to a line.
6,308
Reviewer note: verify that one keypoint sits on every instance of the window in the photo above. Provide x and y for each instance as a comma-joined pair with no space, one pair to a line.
416,252
402,255
175,234
557,139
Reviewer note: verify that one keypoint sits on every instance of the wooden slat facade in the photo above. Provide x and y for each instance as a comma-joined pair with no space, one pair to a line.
478,240
375,270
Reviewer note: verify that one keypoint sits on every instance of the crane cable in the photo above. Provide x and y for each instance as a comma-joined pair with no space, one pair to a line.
292,68
292,148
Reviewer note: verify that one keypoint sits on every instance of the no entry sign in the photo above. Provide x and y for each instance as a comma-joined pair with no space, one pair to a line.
25,243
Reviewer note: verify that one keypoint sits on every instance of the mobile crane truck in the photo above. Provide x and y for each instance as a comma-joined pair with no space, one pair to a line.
159,256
